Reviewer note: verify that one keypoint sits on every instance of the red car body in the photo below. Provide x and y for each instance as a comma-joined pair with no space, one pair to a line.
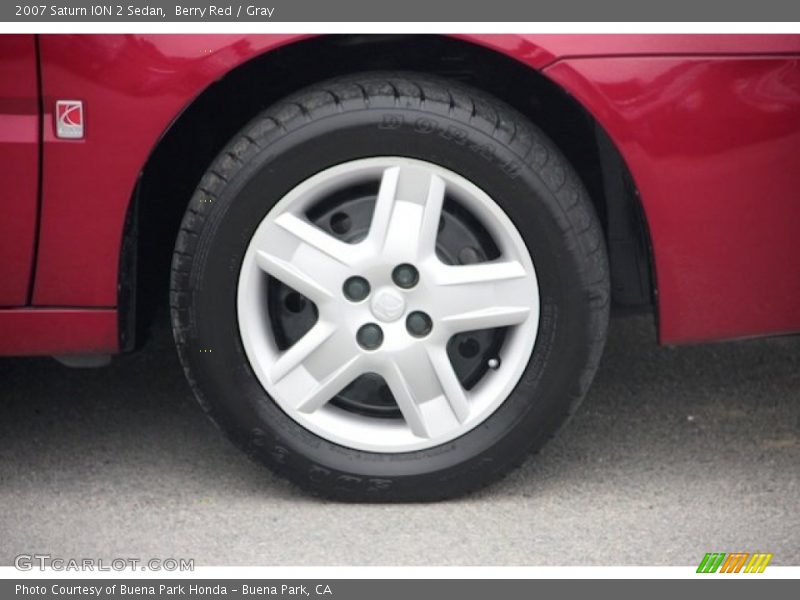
707,125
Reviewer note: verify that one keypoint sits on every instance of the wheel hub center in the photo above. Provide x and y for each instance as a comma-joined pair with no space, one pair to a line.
388,305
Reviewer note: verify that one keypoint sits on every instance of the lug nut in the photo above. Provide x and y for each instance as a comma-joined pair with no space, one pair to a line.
405,276
356,288
419,324
369,336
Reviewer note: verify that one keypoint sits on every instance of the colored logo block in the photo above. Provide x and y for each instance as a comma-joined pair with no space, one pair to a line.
736,562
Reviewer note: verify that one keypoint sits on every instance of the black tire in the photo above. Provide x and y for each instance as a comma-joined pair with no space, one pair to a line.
420,117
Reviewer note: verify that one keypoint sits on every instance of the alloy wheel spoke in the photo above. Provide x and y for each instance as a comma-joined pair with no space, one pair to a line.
317,367
330,385
316,238
451,386
405,221
304,257
292,276
483,296
427,391
486,318
294,356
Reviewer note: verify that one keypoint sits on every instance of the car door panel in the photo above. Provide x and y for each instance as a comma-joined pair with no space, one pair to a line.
19,157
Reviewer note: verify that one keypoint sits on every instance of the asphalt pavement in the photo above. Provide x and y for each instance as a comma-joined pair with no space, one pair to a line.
675,452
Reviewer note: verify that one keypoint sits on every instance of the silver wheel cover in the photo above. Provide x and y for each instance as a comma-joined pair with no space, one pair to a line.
305,377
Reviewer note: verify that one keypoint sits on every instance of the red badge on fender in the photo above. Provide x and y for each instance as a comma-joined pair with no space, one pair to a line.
69,119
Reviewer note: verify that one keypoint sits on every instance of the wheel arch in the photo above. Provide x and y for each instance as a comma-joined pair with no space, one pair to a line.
199,132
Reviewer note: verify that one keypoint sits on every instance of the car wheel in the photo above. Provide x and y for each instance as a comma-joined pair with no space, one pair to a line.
390,287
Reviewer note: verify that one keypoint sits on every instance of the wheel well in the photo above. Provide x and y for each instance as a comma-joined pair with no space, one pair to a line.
198,134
